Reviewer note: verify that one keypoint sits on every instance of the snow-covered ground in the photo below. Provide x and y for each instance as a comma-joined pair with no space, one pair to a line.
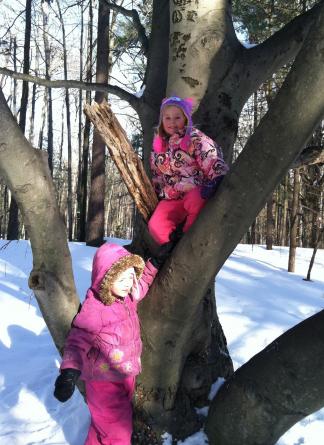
257,301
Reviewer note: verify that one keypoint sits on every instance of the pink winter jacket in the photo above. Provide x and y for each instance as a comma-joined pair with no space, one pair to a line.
104,342
175,170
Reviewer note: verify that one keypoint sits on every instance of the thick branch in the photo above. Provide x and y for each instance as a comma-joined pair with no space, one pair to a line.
205,247
274,390
277,50
67,84
25,171
133,14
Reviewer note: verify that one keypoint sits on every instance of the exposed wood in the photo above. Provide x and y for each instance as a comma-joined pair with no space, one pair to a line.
314,154
127,161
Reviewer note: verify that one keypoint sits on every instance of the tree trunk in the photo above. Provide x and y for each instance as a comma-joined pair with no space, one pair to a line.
86,135
48,57
68,127
320,235
51,278
270,223
96,210
79,177
42,119
222,223
13,224
283,231
294,222
14,92
178,318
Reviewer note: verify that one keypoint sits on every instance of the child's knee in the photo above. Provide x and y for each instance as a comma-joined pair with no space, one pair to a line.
193,201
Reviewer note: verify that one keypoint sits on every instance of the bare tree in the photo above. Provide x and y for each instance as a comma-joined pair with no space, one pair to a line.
185,349
96,210
13,223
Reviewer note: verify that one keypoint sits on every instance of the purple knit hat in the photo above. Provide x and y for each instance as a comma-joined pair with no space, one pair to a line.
186,105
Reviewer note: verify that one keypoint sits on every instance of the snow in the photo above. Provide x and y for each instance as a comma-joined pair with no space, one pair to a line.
257,301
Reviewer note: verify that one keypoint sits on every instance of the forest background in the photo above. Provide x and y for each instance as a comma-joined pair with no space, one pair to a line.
262,100
58,40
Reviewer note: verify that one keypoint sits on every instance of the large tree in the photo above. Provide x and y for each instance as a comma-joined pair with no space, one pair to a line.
193,51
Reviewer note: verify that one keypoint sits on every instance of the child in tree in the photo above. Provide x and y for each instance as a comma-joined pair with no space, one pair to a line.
104,345
187,166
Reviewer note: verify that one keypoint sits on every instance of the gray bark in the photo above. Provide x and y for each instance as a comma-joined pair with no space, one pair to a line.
156,74
274,390
279,128
86,135
175,325
68,128
13,223
228,88
48,57
294,218
51,278
96,218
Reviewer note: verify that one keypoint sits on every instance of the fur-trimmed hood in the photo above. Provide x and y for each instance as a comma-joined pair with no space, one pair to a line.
109,261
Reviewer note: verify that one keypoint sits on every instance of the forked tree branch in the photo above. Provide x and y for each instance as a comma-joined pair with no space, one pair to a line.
133,14
279,49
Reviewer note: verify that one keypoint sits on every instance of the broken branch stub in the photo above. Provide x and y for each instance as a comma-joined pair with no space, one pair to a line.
125,158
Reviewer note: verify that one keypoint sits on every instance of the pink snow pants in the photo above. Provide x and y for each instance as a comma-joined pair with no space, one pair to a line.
110,405
171,212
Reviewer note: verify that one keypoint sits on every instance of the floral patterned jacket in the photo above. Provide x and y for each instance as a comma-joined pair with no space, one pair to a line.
176,171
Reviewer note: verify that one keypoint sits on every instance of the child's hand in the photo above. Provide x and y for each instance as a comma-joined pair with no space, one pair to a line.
65,384
209,187
165,249
163,253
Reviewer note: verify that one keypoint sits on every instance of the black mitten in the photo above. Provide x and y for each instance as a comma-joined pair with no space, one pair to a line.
65,384
164,251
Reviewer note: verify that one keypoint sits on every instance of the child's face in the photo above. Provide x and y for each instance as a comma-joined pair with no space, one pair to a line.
173,120
123,284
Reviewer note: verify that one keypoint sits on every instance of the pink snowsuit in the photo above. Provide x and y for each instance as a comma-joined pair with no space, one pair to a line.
178,173
105,345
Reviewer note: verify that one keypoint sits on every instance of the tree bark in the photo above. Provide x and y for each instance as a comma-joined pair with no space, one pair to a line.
68,127
122,153
51,278
221,224
80,145
155,76
228,90
86,134
294,222
270,223
274,390
320,235
13,223
48,57
96,216
178,318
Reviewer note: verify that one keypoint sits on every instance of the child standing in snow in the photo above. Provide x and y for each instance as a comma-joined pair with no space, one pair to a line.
104,346
187,167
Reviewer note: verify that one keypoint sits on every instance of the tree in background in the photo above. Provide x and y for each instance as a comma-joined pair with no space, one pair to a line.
193,50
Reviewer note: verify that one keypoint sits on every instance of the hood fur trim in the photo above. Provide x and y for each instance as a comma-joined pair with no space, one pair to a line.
116,269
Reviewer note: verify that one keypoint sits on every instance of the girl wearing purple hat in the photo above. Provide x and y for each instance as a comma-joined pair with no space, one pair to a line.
186,165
